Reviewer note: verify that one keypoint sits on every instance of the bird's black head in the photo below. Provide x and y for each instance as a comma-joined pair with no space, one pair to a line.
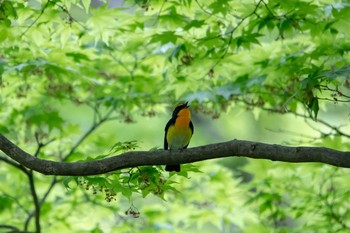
179,107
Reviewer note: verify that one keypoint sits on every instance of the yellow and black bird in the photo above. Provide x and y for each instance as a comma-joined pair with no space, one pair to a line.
178,132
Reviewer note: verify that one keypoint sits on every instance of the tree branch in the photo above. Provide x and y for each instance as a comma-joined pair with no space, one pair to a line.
238,148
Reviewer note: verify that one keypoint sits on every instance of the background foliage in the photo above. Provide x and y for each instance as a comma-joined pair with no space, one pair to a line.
80,80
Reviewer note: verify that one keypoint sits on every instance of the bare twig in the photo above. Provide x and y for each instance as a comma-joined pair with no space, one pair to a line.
284,111
10,228
14,164
230,34
40,203
16,200
80,141
36,19
37,206
204,10
40,144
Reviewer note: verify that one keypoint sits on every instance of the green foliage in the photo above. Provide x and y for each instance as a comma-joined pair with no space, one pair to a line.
124,146
308,202
80,74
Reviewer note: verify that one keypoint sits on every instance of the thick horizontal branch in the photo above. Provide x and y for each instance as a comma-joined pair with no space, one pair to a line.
248,149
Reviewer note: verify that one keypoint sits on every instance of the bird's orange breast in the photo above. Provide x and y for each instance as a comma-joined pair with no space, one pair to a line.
179,134
183,118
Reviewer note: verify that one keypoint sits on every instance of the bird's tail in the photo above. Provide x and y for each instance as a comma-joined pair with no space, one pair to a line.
171,168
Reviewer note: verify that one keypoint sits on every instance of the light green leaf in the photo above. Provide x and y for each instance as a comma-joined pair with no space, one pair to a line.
86,4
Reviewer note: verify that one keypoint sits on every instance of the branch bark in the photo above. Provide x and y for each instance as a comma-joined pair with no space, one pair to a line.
237,148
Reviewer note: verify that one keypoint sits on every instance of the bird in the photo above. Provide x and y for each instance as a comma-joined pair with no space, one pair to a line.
178,132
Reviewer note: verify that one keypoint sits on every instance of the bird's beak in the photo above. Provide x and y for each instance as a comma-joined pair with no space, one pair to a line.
186,104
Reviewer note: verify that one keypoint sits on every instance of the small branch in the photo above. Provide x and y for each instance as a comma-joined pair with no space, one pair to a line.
232,148
9,228
159,12
204,10
329,201
52,184
267,8
40,203
40,144
335,100
14,164
85,135
284,111
37,206
15,199
94,126
231,35
36,19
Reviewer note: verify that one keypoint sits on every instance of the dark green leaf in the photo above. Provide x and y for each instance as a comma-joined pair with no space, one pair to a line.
194,24
77,57
165,37
176,51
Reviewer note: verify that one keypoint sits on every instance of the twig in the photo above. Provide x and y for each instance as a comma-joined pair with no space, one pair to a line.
329,200
159,12
85,135
12,229
16,201
36,19
37,206
41,202
336,90
231,36
78,143
267,8
14,164
204,10
40,144
71,18
273,110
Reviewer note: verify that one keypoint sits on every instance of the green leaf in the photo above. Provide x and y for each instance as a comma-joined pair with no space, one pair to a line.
86,4
176,51
220,7
124,146
314,106
6,203
51,119
247,39
3,64
165,37
337,72
265,206
172,17
194,24
3,129
67,182
97,229
7,10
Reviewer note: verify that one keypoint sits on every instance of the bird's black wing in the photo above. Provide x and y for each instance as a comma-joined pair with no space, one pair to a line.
191,127
170,122
192,130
